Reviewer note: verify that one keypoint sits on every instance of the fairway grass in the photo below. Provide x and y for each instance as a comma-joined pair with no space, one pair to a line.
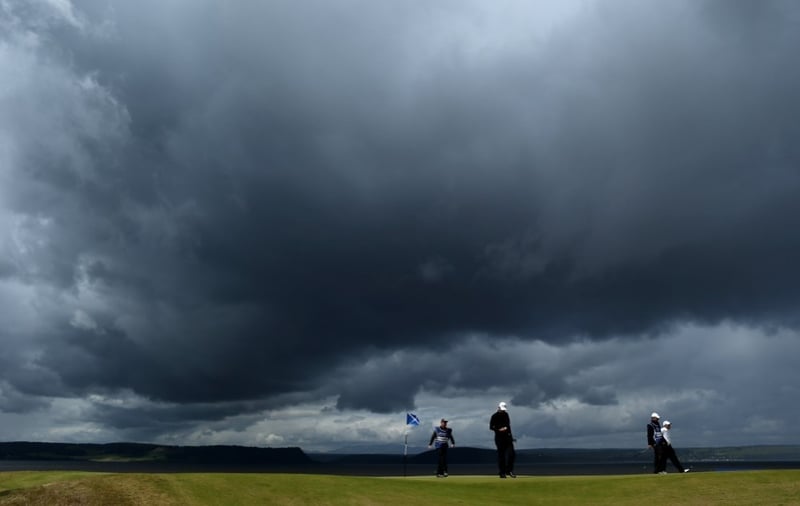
186,489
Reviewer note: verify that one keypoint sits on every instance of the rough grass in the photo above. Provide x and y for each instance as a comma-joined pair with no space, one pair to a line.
79,488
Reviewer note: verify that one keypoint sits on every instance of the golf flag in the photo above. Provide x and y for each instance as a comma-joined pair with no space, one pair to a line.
412,420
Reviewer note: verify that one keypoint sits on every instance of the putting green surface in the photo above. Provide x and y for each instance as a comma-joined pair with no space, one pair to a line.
72,488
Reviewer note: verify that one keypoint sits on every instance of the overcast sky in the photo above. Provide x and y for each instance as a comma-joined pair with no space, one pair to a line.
288,223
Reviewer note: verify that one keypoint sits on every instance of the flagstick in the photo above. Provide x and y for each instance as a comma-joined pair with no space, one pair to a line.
405,454
411,421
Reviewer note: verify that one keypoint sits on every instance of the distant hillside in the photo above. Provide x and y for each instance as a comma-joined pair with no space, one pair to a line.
294,459
136,452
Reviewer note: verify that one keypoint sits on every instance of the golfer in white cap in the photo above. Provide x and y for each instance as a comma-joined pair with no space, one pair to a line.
500,424
655,440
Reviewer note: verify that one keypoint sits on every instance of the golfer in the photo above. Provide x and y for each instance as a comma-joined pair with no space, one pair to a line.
442,437
500,424
670,451
655,440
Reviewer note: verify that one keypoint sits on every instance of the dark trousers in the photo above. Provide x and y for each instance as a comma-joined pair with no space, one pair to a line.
505,455
441,468
659,458
670,454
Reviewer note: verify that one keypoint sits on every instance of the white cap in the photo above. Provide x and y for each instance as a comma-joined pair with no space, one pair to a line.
502,406
654,415
666,422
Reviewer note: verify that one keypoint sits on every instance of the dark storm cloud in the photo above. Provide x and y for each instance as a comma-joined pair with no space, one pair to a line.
12,401
241,199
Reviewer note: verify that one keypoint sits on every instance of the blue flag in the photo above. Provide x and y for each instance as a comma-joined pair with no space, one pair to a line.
411,419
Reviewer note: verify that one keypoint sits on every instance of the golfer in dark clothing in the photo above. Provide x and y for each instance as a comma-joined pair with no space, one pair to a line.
655,440
500,424
441,437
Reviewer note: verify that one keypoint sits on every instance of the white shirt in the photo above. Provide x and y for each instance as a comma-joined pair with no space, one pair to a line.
665,434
